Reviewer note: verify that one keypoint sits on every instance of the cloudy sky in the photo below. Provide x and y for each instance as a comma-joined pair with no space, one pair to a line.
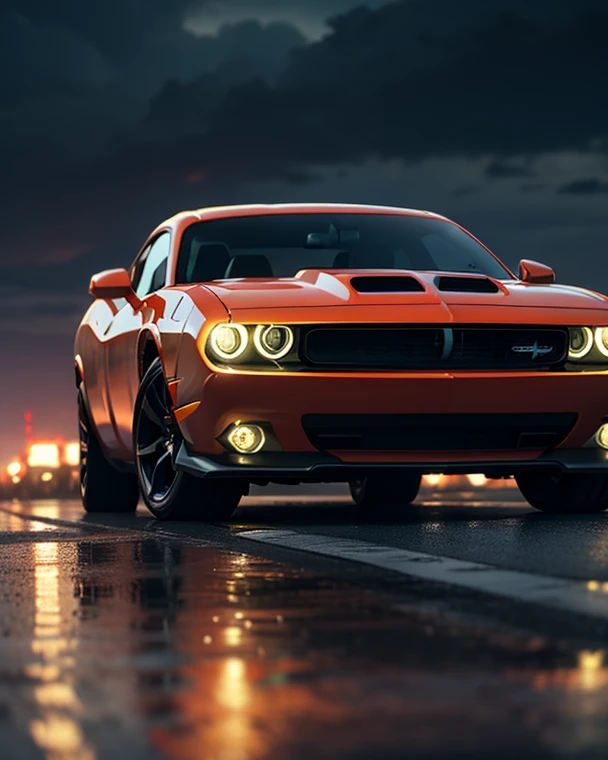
116,115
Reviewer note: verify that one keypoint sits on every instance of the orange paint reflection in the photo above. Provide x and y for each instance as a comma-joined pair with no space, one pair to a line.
56,731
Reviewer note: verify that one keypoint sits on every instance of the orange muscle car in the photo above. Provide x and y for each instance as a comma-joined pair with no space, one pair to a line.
318,343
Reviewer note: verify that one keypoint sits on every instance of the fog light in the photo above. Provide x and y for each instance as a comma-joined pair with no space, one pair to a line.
246,439
601,437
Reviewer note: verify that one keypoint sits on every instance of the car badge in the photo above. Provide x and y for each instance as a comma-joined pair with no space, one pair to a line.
534,349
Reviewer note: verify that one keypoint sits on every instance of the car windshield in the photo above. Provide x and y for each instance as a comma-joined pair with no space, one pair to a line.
280,245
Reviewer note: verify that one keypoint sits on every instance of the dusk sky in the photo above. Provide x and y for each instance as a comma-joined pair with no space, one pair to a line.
116,115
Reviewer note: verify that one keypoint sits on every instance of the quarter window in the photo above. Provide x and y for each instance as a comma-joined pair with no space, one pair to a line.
150,270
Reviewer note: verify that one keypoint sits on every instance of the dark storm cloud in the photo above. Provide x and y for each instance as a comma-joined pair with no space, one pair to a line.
73,101
116,28
504,170
591,186
515,85
509,85
407,80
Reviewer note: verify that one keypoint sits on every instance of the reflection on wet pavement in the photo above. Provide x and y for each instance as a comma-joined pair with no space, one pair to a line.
117,645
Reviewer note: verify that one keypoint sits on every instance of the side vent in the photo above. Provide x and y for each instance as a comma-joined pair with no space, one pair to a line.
386,285
466,285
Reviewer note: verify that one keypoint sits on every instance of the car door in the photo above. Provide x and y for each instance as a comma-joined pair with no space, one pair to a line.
148,274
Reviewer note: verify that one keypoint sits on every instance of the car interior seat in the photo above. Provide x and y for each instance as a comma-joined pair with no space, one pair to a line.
377,259
208,261
249,265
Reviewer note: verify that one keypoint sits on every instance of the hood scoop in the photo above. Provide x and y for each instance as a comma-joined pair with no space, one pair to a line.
386,284
466,285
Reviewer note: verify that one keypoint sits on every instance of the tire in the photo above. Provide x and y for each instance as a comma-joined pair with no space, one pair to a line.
103,488
168,493
562,493
385,494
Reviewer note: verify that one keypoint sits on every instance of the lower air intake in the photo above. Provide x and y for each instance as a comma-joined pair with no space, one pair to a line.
436,432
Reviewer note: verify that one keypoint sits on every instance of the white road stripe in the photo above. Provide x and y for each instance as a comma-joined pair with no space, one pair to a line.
589,598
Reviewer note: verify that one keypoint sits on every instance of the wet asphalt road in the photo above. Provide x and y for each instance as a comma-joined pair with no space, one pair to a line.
122,637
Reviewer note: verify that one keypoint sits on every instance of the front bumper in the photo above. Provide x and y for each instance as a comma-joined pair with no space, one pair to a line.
328,468
283,399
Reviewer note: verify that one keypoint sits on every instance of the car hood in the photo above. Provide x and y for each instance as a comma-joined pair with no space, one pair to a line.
433,296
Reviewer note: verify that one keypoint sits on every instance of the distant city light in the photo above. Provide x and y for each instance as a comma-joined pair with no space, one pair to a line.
72,453
43,455
477,479
46,477
16,479
14,468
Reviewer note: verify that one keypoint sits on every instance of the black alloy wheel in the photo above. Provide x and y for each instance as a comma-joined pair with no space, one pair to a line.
156,440
172,494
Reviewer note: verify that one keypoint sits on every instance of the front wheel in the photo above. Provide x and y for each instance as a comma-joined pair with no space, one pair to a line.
171,494
564,493
385,494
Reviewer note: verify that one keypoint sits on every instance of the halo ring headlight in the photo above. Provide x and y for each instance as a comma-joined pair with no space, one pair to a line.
587,342
601,339
273,341
601,437
228,341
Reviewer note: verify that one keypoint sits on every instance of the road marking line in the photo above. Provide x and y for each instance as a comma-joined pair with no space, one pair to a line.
556,593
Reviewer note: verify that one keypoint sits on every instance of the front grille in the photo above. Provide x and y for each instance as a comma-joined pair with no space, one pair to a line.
436,432
399,347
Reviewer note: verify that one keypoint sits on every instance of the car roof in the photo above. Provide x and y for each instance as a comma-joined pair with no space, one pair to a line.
258,209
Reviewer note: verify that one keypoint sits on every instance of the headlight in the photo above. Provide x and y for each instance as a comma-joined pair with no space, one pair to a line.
601,339
228,341
581,342
273,341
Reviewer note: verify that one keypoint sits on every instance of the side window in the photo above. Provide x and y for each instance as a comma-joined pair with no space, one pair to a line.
138,266
159,276
152,267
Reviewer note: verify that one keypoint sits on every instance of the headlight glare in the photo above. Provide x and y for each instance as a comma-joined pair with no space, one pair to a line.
273,341
601,339
228,341
581,342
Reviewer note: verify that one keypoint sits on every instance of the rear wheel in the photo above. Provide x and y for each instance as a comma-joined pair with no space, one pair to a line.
103,488
385,494
564,493
171,494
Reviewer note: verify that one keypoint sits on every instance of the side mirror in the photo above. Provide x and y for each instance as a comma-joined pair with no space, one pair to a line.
535,273
113,283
